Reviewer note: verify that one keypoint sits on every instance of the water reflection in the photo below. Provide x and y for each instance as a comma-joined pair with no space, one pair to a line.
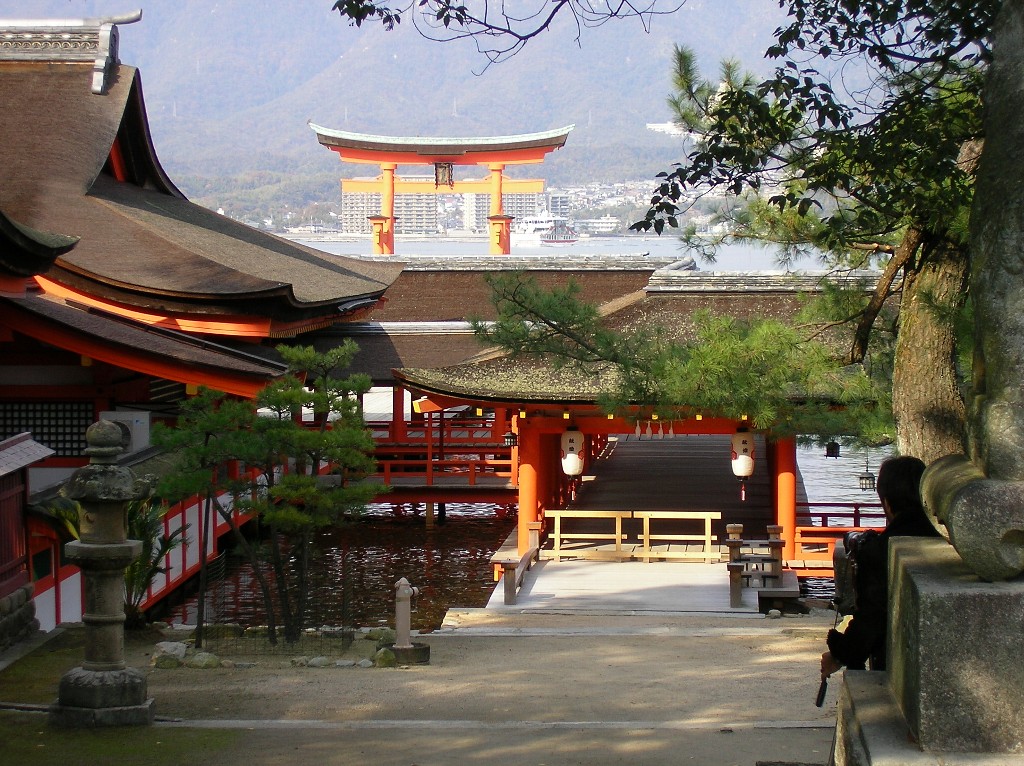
355,567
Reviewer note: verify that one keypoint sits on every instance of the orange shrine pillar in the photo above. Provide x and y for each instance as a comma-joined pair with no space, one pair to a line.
785,492
378,222
500,424
552,479
387,207
529,472
497,204
501,234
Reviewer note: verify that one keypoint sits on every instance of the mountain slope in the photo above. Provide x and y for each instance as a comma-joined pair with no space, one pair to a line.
231,84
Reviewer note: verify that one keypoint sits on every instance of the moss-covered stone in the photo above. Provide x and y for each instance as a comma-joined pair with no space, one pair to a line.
166,662
227,630
203,661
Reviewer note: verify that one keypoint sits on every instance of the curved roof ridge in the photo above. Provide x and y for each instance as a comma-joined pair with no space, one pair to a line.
490,141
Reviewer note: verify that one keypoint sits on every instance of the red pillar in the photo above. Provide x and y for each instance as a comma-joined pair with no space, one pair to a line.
785,492
398,427
529,472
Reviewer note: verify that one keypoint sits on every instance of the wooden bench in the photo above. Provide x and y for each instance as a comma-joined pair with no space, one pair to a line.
560,536
706,539
510,567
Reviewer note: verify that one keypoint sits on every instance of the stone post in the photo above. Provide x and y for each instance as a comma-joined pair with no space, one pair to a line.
103,691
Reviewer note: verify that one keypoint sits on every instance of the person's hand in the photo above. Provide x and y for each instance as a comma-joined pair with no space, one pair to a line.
829,664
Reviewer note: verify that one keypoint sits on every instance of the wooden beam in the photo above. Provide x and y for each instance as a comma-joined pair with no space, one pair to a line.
426,186
526,156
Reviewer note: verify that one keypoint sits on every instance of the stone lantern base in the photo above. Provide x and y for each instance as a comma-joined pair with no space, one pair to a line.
954,691
90,698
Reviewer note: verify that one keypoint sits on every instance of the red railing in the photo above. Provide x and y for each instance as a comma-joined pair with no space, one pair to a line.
429,471
454,431
820,525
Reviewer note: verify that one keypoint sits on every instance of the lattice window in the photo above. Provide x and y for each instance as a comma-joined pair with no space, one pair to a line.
59,425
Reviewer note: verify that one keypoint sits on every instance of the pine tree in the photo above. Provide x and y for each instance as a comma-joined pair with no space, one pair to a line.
302,447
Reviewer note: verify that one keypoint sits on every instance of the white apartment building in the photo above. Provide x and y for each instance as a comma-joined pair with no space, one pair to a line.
476,208
414,213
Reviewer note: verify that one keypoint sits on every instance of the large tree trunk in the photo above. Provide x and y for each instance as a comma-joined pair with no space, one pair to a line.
927,402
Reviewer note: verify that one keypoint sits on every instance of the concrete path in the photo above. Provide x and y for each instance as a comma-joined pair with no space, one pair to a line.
628,587
551,689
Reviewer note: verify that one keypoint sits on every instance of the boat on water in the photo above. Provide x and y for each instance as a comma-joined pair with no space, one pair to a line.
543,230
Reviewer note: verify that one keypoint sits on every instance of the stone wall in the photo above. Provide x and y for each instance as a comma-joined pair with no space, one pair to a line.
17,617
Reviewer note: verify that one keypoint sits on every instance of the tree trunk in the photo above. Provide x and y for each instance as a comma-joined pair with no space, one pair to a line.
257,570
927,402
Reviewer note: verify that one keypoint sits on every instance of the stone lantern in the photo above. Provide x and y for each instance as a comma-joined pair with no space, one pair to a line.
103,691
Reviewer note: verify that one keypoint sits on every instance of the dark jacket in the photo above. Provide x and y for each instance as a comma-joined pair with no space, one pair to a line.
865,635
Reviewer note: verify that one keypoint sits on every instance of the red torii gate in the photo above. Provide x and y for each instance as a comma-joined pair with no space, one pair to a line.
493,152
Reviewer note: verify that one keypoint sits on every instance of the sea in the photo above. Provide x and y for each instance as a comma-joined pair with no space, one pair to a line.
730,258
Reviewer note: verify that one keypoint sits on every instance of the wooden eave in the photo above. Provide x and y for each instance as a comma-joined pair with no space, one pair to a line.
159,353
25,252
84,164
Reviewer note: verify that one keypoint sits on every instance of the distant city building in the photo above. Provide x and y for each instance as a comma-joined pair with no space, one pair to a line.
476,208
414,213
559,204
356,207
606,224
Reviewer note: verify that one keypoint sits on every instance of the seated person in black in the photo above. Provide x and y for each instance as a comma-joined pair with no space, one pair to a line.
899,480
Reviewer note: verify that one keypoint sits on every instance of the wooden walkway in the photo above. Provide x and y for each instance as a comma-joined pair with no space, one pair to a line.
625,588
684,473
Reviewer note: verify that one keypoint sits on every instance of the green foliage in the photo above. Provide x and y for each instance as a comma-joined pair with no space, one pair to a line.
292,491
770,372
871,158
145,523
359,11
863,145
63,512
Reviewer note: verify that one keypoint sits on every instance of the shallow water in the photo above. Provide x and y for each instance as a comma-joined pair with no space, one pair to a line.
356,566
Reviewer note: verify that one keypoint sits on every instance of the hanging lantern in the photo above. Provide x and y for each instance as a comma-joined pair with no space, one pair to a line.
866,479
510,439
743,458
742,454
832,449
572,453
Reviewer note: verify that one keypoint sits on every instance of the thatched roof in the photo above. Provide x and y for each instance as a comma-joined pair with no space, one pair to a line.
669,304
